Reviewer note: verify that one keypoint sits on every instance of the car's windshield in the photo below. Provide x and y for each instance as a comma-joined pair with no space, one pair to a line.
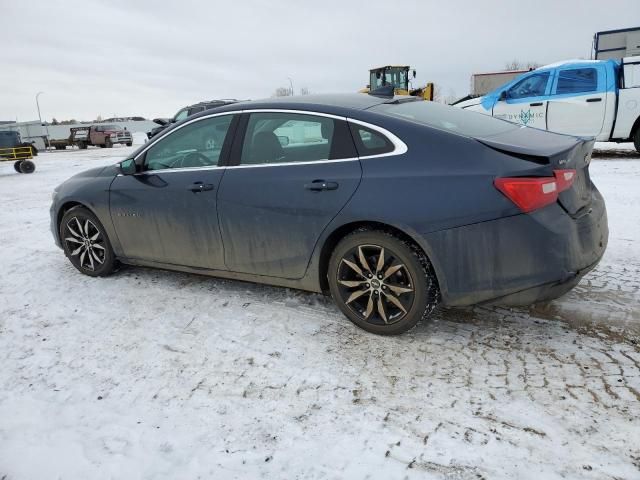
445,117
111,127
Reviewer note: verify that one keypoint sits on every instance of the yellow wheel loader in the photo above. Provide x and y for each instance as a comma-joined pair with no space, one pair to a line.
398,77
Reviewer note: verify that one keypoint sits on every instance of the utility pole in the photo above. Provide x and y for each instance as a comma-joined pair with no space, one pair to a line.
40,118
291,84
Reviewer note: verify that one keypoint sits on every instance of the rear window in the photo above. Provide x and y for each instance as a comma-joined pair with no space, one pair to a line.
445,117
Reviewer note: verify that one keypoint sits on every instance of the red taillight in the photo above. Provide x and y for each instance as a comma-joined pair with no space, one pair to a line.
532,193
564,178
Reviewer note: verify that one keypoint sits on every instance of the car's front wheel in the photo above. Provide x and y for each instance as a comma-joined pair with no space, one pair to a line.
382,283
85,242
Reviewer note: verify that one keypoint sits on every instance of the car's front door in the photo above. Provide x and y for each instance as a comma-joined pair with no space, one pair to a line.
526,101
578,101
294,172
167,212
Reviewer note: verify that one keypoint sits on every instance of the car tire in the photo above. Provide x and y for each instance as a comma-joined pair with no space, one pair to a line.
636,139
27,166
85,243
129,144
108,143
388,296
102,146
82,145
16,166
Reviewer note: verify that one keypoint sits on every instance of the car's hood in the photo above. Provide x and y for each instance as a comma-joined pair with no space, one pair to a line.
108,171
468,103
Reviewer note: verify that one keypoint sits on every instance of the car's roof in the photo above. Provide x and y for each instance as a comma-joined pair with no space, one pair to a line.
339,103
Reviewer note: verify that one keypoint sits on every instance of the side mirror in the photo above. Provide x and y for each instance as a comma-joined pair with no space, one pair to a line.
128,166
503,96
414,74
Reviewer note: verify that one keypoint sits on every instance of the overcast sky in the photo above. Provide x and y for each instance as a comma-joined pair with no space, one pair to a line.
128,58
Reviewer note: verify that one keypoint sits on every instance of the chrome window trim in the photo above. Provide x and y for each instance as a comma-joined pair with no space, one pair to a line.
399,146
281,164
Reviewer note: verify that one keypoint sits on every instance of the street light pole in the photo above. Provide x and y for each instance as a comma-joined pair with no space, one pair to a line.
40,118
291,84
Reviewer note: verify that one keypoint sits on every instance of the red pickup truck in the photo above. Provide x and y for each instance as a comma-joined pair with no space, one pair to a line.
104,136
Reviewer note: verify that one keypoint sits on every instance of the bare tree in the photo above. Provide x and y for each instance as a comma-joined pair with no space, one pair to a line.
282,92
516,64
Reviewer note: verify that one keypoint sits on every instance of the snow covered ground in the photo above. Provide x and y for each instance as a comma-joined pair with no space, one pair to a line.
152,374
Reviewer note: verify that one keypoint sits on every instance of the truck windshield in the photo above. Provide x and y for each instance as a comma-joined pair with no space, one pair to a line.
111,127
445,117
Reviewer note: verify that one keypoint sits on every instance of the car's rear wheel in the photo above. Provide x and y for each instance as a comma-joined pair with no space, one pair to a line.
636,139
85,242
382,283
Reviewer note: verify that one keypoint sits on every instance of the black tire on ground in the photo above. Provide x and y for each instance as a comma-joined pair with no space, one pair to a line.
85,242
129,144
636,139
82,145
16,165
27,166
403,282
108,143
59,147
102,145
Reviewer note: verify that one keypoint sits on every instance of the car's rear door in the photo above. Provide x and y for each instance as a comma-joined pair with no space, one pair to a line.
292,173
167,212
578,101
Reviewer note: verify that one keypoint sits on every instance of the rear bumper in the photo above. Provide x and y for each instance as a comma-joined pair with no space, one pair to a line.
521,259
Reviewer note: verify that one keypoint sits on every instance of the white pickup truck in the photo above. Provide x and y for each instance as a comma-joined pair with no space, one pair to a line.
590,98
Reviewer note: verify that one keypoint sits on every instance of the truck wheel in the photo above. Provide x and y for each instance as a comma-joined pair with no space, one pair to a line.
108,143
102,146
129,144
16,166
636,140
27,166
82,145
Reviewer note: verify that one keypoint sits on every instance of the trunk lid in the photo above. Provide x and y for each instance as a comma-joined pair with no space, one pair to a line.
552,151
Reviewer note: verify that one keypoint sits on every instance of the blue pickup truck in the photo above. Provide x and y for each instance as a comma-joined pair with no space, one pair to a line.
591,98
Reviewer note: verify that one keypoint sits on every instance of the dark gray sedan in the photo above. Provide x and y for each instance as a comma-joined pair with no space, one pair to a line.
391,205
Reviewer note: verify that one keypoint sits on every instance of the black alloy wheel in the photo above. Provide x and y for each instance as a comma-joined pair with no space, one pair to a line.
85,242
382,283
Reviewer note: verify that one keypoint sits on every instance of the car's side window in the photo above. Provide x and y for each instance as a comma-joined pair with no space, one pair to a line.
198,144
280,137
577,80
370,142
534,85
